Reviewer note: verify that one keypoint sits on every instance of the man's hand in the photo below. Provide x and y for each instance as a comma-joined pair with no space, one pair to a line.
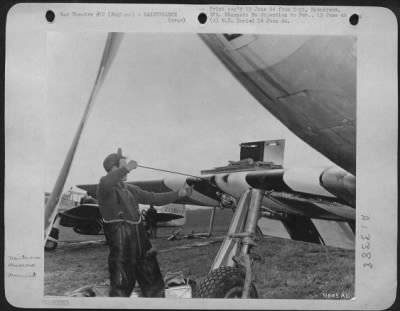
131,165
186,191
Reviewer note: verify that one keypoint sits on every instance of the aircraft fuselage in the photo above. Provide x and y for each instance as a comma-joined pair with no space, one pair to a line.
307,82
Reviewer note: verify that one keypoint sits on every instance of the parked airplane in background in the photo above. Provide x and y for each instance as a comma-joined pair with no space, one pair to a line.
84,217
309,84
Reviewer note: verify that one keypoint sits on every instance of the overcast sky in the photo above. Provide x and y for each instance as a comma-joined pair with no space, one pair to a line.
167,101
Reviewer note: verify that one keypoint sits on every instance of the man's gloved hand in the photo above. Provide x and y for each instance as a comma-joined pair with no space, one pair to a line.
131,165
186,191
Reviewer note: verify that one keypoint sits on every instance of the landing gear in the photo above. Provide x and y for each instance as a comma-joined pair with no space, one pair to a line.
231,273
52,240
51,243
225,282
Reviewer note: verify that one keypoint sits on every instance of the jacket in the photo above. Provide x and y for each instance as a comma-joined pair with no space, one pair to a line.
118,200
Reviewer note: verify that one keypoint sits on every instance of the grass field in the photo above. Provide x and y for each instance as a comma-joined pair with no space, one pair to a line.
288,269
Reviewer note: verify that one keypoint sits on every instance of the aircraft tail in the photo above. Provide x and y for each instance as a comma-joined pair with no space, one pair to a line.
174,215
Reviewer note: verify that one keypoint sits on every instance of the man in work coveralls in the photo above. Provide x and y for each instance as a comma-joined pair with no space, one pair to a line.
152,221
130,257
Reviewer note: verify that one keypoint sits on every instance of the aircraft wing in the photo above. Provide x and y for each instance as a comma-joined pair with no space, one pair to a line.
307,82
314,204
204,193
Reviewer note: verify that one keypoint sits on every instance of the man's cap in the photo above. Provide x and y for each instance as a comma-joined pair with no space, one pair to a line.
112,159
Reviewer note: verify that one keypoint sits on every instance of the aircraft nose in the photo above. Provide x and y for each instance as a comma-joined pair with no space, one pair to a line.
204,186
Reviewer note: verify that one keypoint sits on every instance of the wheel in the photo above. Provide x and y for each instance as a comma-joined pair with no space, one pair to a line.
224,282
51,244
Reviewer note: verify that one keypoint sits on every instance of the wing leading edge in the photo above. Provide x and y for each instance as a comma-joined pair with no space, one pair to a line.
308,207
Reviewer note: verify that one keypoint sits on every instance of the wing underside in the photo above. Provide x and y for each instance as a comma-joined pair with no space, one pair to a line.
324,232
307,82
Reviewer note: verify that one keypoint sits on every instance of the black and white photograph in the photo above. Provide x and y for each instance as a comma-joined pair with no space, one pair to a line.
199,166
205,106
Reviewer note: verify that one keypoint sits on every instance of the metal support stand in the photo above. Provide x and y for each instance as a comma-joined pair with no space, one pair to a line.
248,241
211,223
210,226
236,247
230,244
252,220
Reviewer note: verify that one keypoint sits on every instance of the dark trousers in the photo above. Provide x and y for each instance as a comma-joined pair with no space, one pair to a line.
153,229
129,262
